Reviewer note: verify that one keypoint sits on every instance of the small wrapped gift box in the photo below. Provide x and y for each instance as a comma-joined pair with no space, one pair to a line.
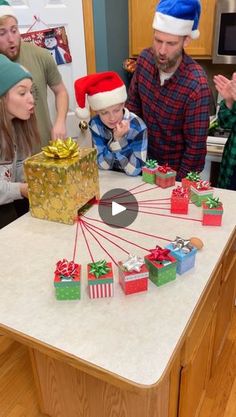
179,201
62,183
133,275
165,176
67,280
149,171
191,179
184,253
200,192
161,265
212,212
100,279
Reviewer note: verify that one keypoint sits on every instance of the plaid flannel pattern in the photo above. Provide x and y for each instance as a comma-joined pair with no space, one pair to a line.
129,154
227,174
176,113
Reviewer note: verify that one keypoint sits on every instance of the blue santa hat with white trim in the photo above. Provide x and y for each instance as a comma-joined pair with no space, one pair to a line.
178,17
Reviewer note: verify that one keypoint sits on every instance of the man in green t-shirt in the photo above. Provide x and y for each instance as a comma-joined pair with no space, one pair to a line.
44,71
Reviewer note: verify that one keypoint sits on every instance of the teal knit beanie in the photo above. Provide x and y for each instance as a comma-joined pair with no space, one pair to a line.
6,9
11,74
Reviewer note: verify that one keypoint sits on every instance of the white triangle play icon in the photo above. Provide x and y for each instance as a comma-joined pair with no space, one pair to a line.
117,208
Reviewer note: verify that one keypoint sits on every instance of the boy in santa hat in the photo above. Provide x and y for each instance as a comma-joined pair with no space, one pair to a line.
119,136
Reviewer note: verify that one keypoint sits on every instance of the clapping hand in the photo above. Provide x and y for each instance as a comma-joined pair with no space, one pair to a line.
226,88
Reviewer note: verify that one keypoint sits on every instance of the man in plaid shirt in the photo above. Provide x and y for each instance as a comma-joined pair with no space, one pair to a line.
227,119
170,92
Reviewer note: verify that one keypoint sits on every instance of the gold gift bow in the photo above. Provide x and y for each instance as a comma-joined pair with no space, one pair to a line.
59,149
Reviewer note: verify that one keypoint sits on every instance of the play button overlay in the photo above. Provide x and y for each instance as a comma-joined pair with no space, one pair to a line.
118,208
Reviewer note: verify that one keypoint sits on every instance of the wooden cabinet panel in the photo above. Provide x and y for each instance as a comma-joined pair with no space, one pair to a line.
206,336
202,47
66,391
197,351
141,15
195,375
229,256
202,316
224,310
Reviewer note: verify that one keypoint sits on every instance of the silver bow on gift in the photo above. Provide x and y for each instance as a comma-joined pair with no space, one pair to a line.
183,244
133,263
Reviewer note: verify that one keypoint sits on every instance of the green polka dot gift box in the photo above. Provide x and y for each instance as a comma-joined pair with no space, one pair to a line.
67,280
161,265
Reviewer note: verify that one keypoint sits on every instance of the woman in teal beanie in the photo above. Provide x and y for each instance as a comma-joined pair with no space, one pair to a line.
19,137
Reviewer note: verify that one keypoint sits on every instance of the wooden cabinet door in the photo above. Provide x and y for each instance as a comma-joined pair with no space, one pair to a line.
141,14
195,375
202,47
224,310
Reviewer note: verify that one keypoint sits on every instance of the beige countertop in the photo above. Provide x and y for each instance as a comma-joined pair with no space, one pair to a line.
131,336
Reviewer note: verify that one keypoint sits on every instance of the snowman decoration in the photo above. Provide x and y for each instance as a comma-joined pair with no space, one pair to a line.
59,54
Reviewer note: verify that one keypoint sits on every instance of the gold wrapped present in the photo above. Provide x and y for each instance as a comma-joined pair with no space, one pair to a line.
61,180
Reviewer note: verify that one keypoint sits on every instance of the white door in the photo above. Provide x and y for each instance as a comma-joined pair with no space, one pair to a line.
68,13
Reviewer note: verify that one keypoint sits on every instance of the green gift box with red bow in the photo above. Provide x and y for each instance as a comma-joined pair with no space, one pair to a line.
67,280
161,265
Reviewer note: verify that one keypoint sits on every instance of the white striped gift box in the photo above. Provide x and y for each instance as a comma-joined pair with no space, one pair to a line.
101,290
103,286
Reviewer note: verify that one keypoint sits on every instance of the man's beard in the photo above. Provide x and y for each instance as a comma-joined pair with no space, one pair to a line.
169,64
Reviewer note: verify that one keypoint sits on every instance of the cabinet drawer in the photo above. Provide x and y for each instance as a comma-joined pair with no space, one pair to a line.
202,316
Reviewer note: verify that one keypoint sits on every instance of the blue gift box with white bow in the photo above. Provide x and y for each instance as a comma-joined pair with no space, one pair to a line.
184,255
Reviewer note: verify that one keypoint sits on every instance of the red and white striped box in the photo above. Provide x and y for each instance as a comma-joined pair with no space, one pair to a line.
102,286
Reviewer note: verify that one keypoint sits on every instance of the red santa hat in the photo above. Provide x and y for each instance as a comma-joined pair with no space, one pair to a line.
102,90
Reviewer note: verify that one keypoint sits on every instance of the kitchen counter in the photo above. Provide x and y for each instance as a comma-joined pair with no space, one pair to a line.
130,338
